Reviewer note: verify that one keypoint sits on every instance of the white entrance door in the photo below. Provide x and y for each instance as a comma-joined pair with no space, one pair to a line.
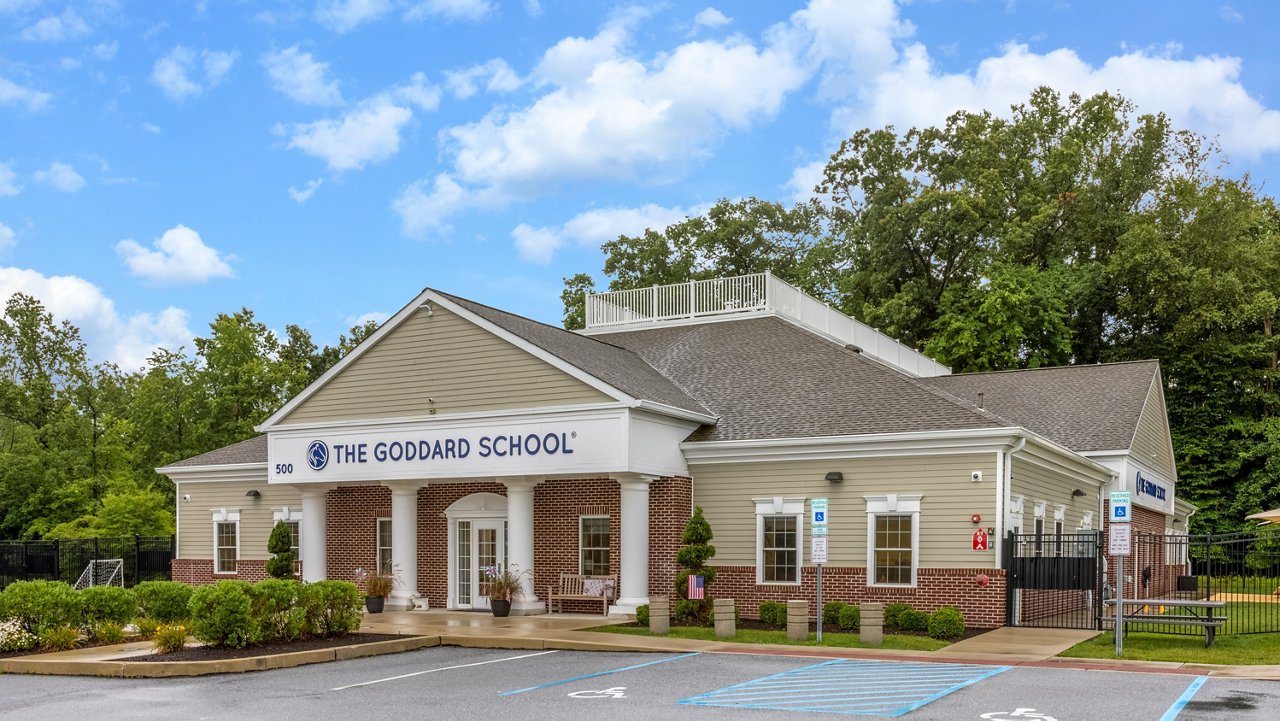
481,545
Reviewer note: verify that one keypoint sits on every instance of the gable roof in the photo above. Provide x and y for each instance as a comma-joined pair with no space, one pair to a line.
253,450
616,366
766,378
1084,407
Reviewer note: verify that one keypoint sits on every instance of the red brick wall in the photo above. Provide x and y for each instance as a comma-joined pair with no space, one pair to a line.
1149,551
557,505
983,607
352,529
670,507
433,535
199,571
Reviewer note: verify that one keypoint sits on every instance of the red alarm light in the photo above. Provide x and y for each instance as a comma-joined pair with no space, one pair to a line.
976,518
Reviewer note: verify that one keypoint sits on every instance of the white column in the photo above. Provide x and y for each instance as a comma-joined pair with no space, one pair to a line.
312,543
520,540
404,544
634,543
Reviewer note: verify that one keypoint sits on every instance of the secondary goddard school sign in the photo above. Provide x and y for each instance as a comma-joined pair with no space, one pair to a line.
402,453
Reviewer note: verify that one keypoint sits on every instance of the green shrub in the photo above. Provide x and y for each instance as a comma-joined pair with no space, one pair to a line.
849,618
773,613
107,632
41,605
642,615
221,615
59,638
280,543
165,601
170,638
892,614
946,623
332,607
693,613
15,637
276,611
913,621
107,603
831,612
146,627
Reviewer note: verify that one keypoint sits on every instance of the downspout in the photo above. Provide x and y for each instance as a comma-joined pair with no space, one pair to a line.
1004,486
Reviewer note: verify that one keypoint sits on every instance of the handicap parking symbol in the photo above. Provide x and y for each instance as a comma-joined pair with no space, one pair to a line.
1019,714
615,692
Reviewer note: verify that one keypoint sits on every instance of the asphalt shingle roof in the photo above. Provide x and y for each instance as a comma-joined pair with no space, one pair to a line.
619,368
766,378
253,450
1085,408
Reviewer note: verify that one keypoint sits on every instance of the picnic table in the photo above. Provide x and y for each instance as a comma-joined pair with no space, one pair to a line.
1191,612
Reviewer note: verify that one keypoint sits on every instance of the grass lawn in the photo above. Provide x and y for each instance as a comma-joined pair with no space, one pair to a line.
837,639
1241,649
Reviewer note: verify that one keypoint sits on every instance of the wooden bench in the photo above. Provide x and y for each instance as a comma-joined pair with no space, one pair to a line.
574,587
1209,621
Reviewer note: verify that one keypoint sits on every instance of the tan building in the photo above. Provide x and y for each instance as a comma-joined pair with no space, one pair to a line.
460,437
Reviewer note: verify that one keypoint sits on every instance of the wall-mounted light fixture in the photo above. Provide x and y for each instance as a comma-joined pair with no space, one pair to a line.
835,476
1078,493
253,493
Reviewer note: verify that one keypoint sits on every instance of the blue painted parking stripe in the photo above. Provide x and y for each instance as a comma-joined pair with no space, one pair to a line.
1182,701
880,688
597,673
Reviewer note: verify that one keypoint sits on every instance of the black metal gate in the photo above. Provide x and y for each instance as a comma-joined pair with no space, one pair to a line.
144,558
1053,581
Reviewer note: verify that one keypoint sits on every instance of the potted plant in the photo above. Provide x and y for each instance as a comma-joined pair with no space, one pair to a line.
505,585
377,586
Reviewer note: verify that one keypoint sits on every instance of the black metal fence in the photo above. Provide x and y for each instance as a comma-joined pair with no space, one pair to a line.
1053,580
144,558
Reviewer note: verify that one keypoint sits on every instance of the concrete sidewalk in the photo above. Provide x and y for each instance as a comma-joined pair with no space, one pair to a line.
1005,646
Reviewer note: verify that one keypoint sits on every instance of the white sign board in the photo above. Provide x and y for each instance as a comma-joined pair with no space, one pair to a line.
1119,540
1121,510
819,508
818,548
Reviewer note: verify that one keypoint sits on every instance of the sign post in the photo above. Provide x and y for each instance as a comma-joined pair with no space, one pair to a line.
1119,546
818,547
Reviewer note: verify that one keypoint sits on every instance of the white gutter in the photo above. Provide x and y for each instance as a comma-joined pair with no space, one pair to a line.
1004,491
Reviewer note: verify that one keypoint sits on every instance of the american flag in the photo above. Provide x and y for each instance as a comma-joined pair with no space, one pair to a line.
697,590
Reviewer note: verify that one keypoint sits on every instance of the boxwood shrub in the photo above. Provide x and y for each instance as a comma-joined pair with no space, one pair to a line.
332,607
913,620
164,601
107,603
946,623
849,618
773,613
276,610
642,614
831,613
222,614
893,614
42,605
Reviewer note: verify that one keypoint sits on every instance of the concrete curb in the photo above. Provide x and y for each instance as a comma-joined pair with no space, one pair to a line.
168,669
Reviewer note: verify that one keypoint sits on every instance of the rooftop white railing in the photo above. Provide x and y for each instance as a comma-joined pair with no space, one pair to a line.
757,294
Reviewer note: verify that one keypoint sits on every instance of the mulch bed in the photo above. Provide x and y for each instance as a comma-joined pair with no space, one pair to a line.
219,653
751,624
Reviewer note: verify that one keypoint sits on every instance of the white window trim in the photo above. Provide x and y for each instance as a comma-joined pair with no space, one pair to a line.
1179,544
377,543
893,504
779,506
289,515
1086,521
608,547
1015,514
225,515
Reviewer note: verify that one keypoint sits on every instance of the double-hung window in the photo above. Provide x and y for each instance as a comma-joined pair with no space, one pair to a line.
291,518
593,545
384,546
226,540
779,539
893,539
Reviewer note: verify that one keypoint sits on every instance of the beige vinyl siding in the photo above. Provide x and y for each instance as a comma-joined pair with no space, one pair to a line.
949,499
458,365
1151,439
1036,483
195,517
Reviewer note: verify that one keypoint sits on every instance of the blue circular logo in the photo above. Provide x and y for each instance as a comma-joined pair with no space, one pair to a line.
317,455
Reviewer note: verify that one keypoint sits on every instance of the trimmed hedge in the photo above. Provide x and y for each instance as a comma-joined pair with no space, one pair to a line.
164,601
222,615
276,609
642,614
913,620
773,613
946,623
892,615
849,618
332,607
41,605
107,604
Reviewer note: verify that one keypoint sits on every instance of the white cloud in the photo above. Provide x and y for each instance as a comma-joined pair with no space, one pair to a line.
301,77
376,316
368,134
69,63
593,227
12,93
173,72
106,51
151,128
449,9
1203,94
56,28
180,256
7,239
8,7
607,116
345,15
712,18
126,341
533,8
9,185
308,190
804,179
496,76
61,176
417,92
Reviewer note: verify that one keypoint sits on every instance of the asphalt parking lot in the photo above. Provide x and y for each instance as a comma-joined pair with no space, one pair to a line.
458,683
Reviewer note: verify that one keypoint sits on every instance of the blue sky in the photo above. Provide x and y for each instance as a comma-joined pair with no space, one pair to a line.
320,162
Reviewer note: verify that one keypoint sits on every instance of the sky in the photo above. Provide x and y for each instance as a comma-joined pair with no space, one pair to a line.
320,162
